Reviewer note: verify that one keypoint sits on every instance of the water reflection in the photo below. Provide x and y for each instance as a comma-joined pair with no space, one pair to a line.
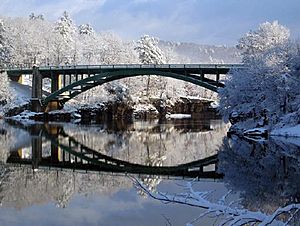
91,161
51,146
265,173
148,149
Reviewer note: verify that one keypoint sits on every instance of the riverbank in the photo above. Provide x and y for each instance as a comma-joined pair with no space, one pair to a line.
266,131
183,107
287,131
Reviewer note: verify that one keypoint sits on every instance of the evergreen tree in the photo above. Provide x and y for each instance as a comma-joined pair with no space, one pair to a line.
86,29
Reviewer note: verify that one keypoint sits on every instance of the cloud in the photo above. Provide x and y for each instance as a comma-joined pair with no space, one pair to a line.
201,21
51,9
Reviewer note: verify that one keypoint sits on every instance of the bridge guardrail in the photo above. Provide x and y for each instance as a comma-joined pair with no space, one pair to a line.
128,66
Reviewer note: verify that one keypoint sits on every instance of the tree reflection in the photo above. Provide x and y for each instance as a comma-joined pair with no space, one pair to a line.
265,173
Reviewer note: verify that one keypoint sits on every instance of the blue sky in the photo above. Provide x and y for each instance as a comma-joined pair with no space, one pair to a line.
201,21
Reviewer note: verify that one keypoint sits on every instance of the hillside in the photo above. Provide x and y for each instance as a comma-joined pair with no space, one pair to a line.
200,53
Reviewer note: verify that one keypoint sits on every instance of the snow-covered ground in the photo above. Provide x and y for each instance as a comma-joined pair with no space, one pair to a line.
21,92
289,131
256,132
178,116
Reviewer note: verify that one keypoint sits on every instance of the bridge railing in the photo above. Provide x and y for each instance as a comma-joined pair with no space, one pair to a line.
129,66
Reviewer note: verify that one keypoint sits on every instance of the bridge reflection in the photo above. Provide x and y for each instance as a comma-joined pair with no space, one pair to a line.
65,152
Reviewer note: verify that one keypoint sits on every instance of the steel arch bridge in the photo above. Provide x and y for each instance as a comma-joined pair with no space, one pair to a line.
70,81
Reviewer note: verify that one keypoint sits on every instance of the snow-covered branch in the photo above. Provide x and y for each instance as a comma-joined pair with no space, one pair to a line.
232,215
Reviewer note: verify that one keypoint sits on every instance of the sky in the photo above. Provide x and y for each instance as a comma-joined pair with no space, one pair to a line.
218,22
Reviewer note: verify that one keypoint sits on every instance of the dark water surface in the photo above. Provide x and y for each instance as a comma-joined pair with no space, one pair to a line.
67,174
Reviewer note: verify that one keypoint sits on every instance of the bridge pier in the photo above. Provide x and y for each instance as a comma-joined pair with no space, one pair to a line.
36,97
56,84
18,79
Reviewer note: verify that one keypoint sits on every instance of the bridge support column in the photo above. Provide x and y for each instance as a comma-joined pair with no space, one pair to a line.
217,78
36,97
55,85
18,79
202,75
55,82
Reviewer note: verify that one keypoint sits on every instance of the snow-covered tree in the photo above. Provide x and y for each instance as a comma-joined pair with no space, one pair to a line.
85,29
28,40
111,49
65,44
265,88
150,53
105,48
266,37
32,16
87,44
4,48
5,94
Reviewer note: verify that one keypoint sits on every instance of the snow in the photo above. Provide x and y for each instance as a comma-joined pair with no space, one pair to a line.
195,98
232,215
178,116
20,90
292,131
266,92
145,107
215,104
24,116
64,43
256,132
287,140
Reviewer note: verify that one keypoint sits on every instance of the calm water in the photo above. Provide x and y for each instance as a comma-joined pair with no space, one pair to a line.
67,174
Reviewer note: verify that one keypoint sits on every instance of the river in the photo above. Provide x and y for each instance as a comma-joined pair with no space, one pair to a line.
72,174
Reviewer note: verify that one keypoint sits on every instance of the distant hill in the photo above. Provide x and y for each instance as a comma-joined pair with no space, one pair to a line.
196,53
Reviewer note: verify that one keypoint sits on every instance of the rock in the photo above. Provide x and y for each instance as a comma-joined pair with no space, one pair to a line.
16,110
107,111
53,117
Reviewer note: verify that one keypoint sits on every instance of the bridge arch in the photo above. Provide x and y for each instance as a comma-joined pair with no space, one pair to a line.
76,155
85,84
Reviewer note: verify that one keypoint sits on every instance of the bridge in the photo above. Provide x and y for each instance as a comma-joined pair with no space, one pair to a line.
68,153
70,81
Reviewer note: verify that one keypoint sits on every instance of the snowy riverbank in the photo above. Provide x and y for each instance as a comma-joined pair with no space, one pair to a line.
287,131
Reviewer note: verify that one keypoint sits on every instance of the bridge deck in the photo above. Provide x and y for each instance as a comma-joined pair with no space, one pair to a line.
94,69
